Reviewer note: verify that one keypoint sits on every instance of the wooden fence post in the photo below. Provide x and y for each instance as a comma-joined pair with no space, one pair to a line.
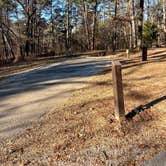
144,53
118,90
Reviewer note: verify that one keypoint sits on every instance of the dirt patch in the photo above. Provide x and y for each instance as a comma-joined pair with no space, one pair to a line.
85,132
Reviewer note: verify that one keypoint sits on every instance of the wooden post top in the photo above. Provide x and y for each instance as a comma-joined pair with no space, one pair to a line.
116,63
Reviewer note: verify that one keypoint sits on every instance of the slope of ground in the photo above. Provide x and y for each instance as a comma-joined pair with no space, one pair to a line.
84,131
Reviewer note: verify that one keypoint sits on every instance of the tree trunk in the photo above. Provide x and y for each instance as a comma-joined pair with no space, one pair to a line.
68,34
131,10
158,36
19,55
116,7
140,28
114,32
164,15
86,26
148,9
94,26
140,24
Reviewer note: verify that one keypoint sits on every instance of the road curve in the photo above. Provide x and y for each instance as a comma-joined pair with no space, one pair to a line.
25,97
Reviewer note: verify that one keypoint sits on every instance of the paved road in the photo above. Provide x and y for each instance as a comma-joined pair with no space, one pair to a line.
25,97
158,160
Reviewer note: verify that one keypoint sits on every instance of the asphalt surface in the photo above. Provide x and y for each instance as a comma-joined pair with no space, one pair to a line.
158,160
24,98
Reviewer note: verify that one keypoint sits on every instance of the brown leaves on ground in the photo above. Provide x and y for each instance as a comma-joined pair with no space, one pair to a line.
85,131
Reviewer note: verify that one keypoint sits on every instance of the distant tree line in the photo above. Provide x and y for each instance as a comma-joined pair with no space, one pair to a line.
31,28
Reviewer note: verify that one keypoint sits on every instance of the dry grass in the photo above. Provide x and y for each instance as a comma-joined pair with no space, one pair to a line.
85,131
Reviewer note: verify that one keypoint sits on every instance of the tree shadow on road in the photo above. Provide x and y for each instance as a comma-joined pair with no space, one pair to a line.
50,76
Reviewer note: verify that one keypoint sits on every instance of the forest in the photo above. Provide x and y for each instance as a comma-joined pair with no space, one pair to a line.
32,28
